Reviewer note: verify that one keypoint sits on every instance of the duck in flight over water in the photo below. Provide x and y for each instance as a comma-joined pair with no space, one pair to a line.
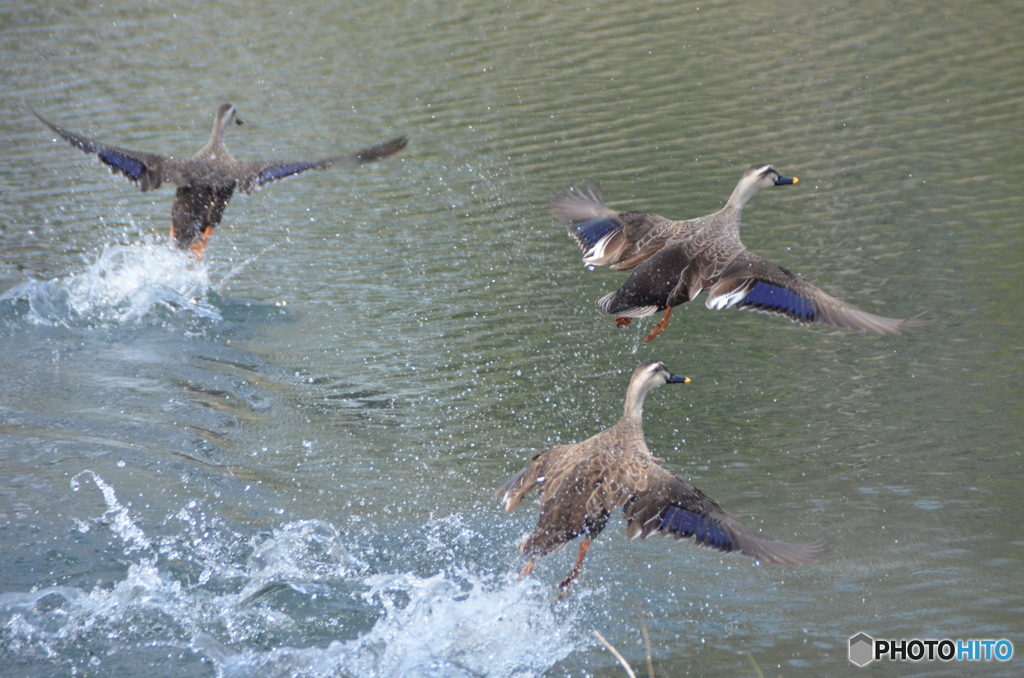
677,260
207,180
581,484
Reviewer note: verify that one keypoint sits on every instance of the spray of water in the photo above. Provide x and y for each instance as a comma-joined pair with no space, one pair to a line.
125,284
233,610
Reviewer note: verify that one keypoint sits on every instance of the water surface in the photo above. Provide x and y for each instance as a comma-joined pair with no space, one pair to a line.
282,461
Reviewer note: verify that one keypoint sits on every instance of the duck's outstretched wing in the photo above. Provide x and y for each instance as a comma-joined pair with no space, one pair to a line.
566,497
519,485
561,466
252,176
145,170
753,282
621,240
673,507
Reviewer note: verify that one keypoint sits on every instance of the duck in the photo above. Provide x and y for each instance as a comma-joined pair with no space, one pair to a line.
206,181
581,484
677,260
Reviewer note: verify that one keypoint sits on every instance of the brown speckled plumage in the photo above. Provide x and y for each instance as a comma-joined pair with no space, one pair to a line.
677,260
582,484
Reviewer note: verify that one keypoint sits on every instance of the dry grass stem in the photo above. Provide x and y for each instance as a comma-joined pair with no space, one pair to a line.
622,660
754,664
647,647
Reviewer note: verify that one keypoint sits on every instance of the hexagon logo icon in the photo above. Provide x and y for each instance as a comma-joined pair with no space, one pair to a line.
861,649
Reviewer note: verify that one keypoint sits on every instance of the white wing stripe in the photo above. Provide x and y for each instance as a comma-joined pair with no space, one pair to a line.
720,301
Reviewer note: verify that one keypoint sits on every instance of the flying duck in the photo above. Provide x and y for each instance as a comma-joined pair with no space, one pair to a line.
677,260
581,484
207,180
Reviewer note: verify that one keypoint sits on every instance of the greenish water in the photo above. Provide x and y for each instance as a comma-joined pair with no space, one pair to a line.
283,461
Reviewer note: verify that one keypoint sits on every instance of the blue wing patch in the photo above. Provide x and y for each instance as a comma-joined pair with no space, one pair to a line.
282,171
769,297
593,230
131,167
687,523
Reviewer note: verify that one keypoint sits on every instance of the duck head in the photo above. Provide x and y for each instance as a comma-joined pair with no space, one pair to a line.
761,175
226,114
649,374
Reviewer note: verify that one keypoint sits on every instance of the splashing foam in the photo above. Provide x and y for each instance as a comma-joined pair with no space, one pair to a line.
124,284
117,515
434,626
235,614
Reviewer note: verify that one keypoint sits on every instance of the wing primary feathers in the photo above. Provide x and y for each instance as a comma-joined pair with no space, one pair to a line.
382,150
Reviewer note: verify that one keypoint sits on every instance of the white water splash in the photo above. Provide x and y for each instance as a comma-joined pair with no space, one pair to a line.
117,516
459,626
124,284
269,604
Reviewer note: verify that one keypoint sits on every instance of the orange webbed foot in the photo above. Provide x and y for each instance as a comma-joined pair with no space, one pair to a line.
198,246
563,587
659,327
